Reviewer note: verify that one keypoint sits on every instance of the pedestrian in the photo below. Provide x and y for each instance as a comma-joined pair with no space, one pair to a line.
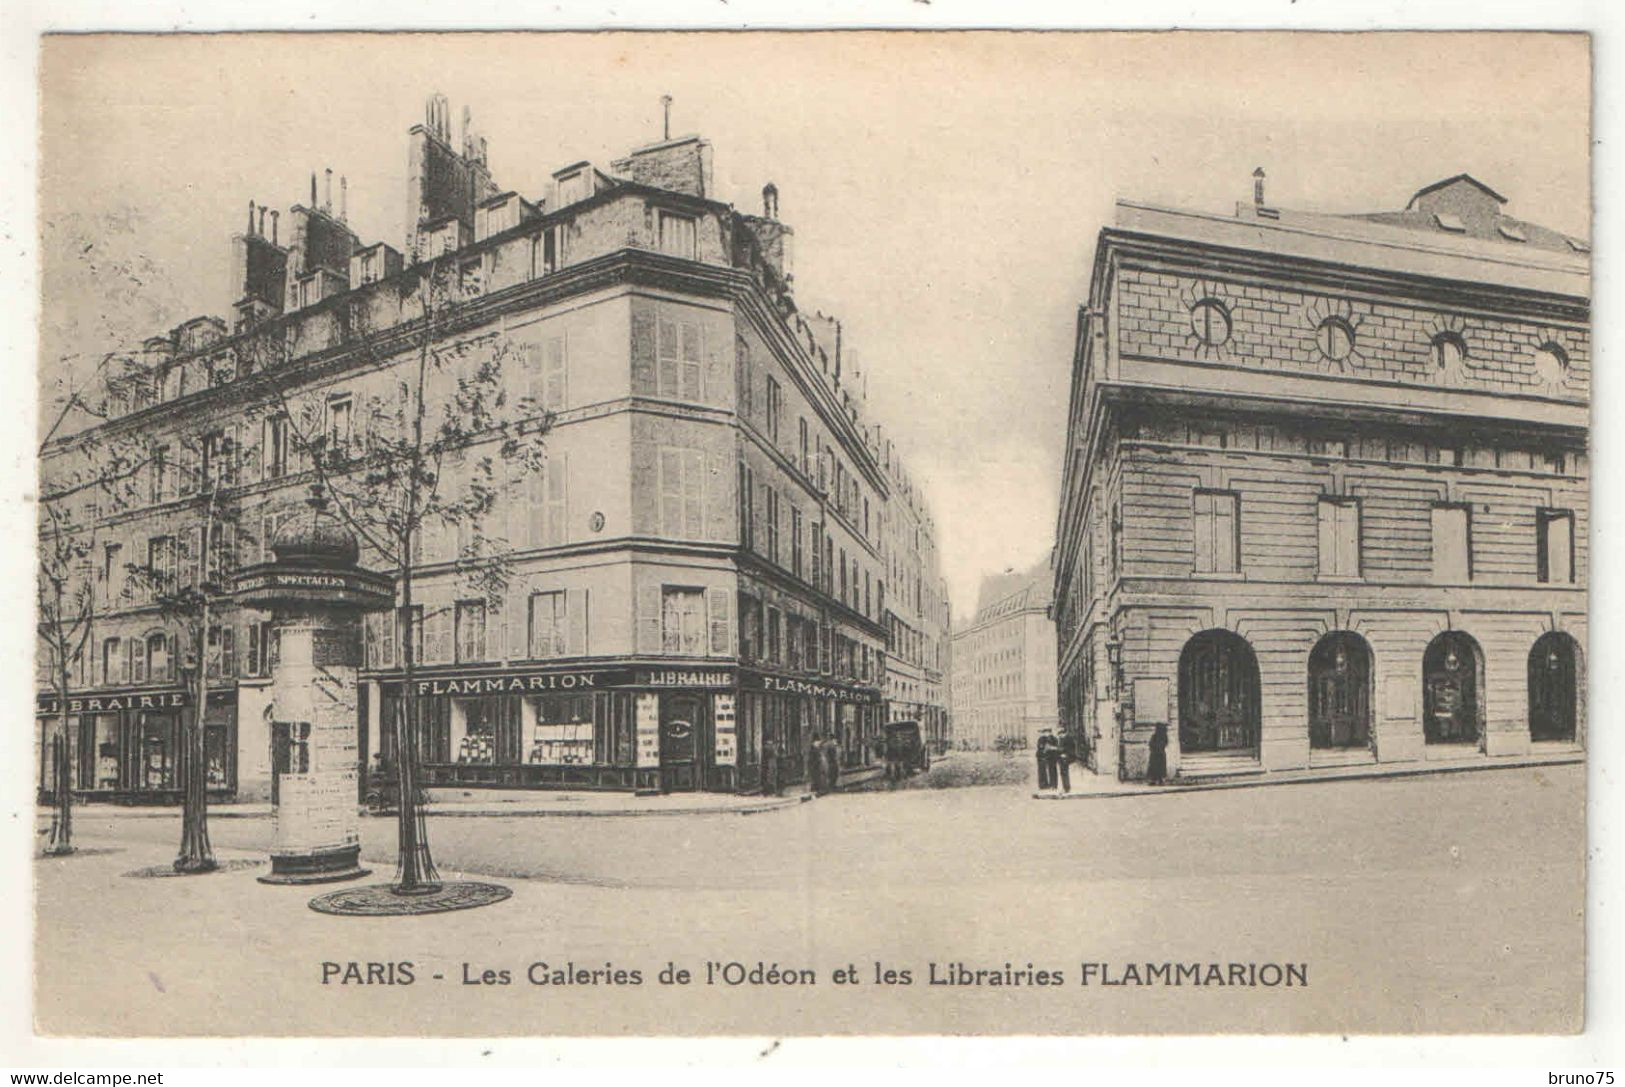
1046,751
770,768
1065,752
831,752
1157,771
816,766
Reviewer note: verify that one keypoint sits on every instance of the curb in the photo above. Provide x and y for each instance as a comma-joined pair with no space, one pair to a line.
766,805
1264,780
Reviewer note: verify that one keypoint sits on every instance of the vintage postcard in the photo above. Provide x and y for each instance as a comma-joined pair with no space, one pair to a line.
840,533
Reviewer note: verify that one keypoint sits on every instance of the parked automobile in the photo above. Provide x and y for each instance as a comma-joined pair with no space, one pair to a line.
905,749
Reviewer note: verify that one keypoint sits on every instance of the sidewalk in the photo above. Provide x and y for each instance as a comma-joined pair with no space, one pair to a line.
1087,786
458,803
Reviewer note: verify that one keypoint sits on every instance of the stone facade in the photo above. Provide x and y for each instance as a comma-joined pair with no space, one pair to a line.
1325,498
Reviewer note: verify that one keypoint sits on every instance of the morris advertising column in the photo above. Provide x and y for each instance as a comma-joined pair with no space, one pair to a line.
316,595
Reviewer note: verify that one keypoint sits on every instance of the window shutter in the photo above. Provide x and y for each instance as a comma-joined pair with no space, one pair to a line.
692,381
666,358
644,335
648,637
191,543
1328,511
437,634
554,386
1348,539
1224,532
719,609
188,483
670,483
558,488
576,611
693,494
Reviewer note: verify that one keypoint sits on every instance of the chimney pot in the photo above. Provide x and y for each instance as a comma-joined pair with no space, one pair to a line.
313,189
344,199
770,200
1258,187
274,215
327,203
262,220
251,216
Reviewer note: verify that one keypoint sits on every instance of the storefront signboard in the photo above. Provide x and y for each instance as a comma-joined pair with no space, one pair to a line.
114,701
723,715
648,725
814,688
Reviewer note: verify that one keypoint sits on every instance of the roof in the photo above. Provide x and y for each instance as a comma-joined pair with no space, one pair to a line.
1010,592
1447,182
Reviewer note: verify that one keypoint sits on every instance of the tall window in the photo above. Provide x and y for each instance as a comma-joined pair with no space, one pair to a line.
1218,532
682,490
682,620
275,450
546,369
115,664
221,651
775,408
158,658
1339,537
113,570
678,235
802,427
772,524
747,507
161,563
677,359
163,485
1452,544
340,410
547,624
220,458
470,619
260,638
795,541
1555,545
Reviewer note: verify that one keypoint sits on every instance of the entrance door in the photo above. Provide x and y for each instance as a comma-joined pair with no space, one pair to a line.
681,717
1552,688
1218,694
1450,689
1340,691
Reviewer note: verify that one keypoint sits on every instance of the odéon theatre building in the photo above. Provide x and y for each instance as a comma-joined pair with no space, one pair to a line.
698,577
1325,484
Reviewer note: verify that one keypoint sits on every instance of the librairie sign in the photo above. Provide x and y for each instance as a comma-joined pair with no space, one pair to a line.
109,703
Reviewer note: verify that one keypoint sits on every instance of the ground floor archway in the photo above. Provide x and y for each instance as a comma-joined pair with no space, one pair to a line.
1340,691
1553,687
1218,694
1452,689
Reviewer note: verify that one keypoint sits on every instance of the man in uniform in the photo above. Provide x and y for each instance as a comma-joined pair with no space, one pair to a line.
1046,752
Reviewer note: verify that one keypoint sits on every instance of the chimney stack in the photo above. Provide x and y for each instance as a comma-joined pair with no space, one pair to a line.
313,190
327,202
1258,187
344,199
262,221
770,201
665,104
251,217
274,215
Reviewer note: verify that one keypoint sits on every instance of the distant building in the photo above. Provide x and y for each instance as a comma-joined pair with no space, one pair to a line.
1324,496
1004,664
701,574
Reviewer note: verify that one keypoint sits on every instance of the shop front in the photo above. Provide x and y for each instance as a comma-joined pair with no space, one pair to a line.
126,745
645,728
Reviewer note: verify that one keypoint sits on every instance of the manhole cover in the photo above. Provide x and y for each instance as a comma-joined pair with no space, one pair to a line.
380,900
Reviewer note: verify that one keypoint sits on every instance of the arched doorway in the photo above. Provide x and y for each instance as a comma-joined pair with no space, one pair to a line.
1553,687
1340,691
1452,682
1218,694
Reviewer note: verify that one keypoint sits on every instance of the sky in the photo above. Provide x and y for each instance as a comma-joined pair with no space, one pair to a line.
946,189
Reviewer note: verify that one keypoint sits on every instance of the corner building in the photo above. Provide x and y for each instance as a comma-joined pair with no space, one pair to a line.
697,578
1325,488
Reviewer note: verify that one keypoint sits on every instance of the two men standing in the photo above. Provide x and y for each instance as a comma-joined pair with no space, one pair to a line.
1054,760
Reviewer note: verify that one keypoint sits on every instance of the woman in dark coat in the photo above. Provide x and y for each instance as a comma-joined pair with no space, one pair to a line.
1157,771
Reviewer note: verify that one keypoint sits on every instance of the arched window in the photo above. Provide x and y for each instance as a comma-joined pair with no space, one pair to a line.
1449,352
1335,338
1211,321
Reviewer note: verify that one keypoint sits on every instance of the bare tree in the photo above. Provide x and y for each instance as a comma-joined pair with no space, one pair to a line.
433,450
190,580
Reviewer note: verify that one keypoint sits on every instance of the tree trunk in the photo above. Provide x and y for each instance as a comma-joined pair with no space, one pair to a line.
416,873
196,855
61,840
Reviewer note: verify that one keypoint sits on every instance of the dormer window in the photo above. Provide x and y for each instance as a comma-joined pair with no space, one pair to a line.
1511,231
1578,246
573,187
1450,222
677,235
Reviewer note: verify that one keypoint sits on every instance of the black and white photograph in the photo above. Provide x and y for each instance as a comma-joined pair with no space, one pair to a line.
838,533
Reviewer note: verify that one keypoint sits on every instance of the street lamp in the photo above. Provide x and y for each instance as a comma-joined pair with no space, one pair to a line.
1114,661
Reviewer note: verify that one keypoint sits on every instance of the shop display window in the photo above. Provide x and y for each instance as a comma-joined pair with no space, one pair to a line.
560,730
